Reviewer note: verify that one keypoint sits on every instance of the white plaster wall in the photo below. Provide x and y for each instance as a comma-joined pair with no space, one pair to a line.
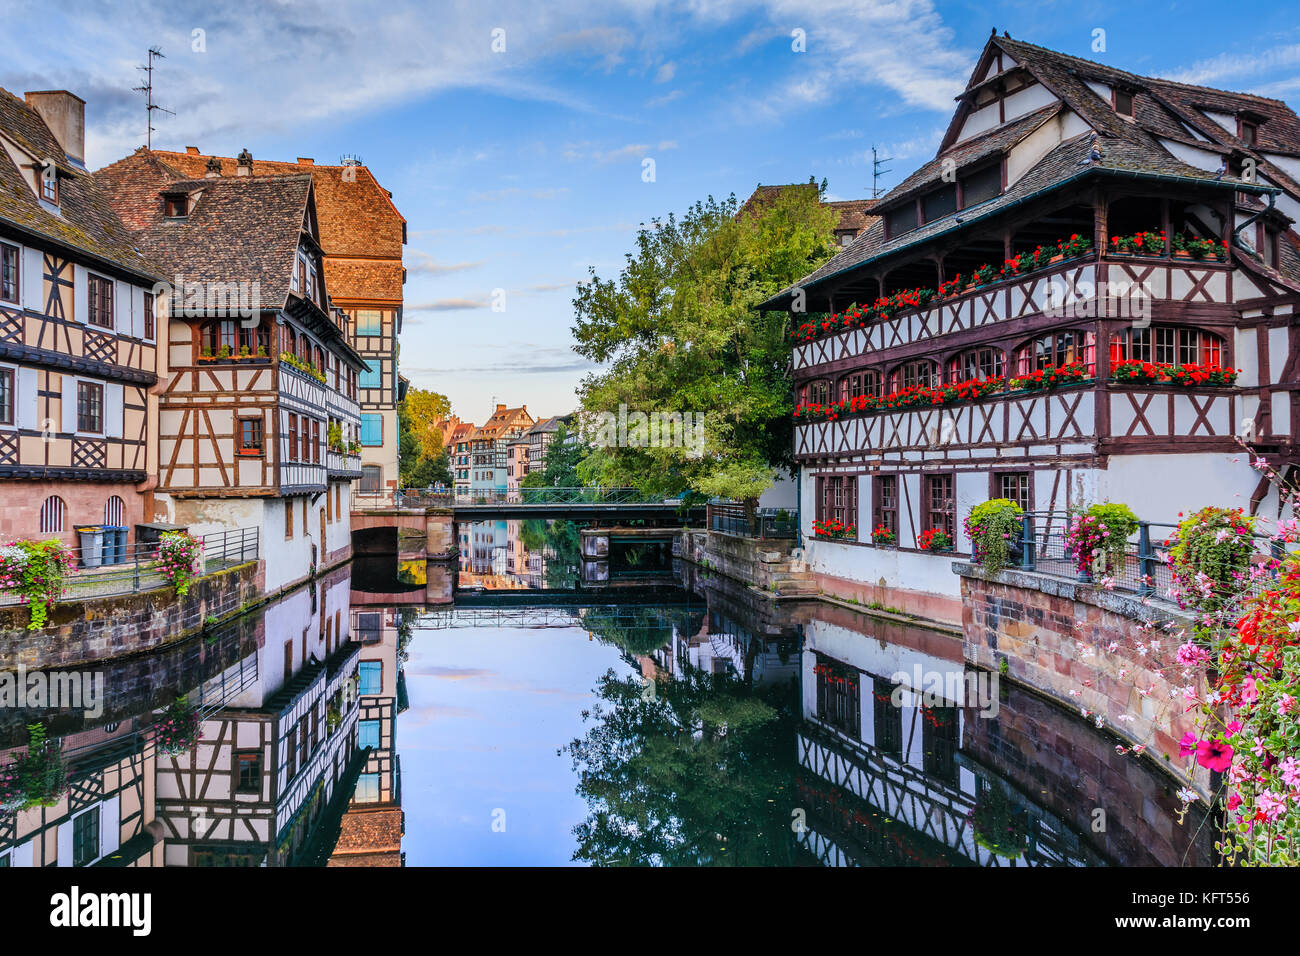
1200,158
1157,487
884,567
1027,100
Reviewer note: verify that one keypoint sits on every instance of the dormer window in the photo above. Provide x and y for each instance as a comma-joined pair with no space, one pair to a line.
49,182
1123,102
176,207
1249,132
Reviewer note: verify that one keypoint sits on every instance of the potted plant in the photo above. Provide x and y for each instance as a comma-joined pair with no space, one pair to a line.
934,539
1097,538
1210,556
986,274
997,825
36,570
1134,370
38,778
836,529
994,528
177,729
883,536
178,559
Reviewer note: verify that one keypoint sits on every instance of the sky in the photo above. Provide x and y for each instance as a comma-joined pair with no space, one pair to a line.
513,135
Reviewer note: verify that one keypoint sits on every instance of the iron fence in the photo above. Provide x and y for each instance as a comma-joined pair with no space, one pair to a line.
1141,565
446,497
132,568
734,517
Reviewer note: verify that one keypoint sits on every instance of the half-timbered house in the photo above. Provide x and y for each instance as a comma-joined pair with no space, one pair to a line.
253,789
361,235
260,424
78,339
1088,294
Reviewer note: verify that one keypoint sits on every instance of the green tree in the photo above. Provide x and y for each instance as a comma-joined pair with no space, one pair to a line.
421,459
560,467
678,331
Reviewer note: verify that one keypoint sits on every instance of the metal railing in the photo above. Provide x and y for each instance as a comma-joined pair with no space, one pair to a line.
132,568
1140,566
734,517
446,497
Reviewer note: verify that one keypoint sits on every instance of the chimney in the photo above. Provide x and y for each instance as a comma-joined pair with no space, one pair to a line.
192,150
306,161
213,170
244,163
65,114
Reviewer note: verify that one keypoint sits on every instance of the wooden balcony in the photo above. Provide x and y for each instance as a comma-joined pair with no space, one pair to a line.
343,465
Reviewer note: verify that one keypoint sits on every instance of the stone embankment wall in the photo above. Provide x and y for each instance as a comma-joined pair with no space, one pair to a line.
84,632
767,564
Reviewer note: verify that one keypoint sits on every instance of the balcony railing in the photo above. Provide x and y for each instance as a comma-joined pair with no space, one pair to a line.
734,517
343,464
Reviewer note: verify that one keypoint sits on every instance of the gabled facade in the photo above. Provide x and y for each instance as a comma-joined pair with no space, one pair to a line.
459,444
79,353
1123,220
488,449
361,236
259,424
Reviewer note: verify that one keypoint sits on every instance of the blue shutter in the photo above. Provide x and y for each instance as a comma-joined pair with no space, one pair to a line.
372,429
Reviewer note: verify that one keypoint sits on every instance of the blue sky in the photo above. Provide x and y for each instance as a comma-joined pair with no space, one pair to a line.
518,170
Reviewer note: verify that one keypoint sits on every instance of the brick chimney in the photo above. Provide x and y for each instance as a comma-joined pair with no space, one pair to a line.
192,150
244,163
306,161
65,114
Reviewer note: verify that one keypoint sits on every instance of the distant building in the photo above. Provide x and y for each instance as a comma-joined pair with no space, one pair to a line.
458,445
488,449
855,215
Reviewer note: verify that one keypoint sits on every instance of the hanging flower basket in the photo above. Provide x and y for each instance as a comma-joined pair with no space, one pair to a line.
39,778
178,559
178,729
999,826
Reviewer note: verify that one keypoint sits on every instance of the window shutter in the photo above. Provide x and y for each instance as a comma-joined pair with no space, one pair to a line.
853,500
113,410
23,855
69,404
110,826
137,311
123,314
33,279
27,401
65,844
80,294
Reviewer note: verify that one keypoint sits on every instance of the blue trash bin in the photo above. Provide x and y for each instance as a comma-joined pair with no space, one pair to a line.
115,544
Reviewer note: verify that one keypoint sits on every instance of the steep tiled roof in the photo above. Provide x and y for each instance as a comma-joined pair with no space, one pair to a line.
1162,109
86,220
369,838
238,230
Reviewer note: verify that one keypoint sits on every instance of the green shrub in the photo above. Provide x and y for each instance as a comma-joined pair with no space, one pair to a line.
993,527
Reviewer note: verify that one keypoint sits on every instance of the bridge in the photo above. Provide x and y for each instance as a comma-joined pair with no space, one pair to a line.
576,504
636,608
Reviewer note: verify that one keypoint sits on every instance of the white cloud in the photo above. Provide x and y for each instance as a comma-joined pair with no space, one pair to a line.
666,72
426,264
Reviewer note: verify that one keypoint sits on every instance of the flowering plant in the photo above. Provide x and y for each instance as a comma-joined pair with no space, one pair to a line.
997,825
1199,248
882,534
1097,537
1053,376
986,274
37,570
834,528
1149,243
993,528
177,729
178,559
969,390
1134,370
38,778
935,539
1207,374
1210,554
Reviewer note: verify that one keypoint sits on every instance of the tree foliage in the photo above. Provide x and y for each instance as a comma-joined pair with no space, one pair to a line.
678,332
422,460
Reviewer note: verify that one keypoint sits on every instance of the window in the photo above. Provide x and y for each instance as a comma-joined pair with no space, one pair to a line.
370,322
838,499
981,185
248,772
1167,345
1058,348
1123,103
1014,486
886,719
886,502
371,377
50,184
250,437
939,203
114,509
920,372
857,384
8,272
372,429
6,396
99,300
368,733
372,678
900,220
367,789
1249,133
839,696
227,337
975,363
288,519
306,440
304,741
176,207
315,441
90,407
371,476
148,315
941,511
293,437
85,838
52,513
291,752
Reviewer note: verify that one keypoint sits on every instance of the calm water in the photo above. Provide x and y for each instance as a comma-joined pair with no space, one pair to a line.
520,719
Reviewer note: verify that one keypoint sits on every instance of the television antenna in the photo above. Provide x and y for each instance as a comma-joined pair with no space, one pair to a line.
877,170
147,90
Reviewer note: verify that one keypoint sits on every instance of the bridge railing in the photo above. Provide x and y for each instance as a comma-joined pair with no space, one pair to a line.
446,497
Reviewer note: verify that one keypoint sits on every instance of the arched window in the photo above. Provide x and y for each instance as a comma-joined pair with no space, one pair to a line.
114,508
817,393
986,362
52,515
918,372
1058,348
857,384
1167,345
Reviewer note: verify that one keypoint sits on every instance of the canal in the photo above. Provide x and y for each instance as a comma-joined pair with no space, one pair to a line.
504,714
